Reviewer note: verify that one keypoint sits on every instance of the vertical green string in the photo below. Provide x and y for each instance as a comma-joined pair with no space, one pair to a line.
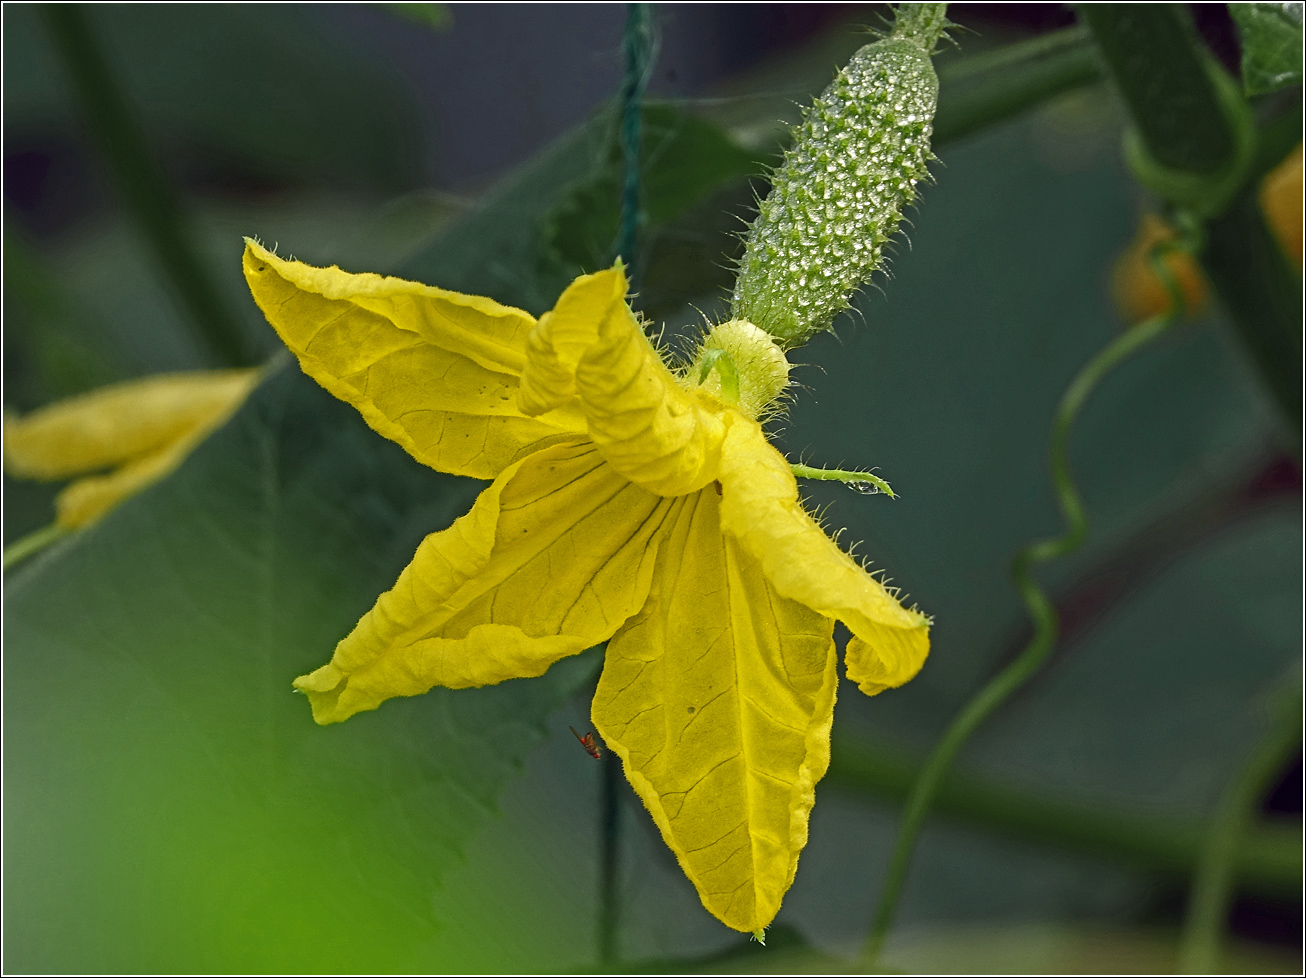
609,910
1041,610
1208,906
637,46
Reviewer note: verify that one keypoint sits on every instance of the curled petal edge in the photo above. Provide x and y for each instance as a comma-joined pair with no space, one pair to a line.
760,509
652,430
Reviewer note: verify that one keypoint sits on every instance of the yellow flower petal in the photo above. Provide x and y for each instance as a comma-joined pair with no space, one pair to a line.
719,697
86,500
1281,201
652,430
120,423
760,509
554,556
433,370
1138,291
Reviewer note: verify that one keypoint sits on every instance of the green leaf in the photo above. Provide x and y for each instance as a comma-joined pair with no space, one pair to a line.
557,217
1271,42
169,804
683,158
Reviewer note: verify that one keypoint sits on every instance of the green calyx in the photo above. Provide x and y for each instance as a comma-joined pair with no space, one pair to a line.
1203,194
740,365
838,195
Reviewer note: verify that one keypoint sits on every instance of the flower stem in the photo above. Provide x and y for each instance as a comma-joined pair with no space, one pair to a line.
1041,609
34,542
1213,880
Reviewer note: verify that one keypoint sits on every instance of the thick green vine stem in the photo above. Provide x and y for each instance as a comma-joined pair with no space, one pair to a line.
1192,138
838,195
1212,882
1206,194
1041,609
1157,62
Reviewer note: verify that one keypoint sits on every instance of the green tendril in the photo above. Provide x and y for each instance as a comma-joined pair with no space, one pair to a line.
34,542
1041,609
854,478
1208,906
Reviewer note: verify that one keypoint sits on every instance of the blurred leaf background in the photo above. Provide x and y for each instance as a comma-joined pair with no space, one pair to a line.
169,806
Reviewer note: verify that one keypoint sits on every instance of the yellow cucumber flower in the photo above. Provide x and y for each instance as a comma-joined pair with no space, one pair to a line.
629,505
140,429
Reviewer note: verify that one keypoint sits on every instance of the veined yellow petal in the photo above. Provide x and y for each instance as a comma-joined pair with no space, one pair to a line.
435,371
760,509
719,697
554,556
652,430
137,419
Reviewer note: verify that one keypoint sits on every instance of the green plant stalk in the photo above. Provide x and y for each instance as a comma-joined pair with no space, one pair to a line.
1217,867
985,89
1267,858
1041,609
33,543
1193,132
1262,294
852,477
142,184
1161,71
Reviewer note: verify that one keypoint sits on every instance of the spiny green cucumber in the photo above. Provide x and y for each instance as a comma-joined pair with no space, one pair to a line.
838,195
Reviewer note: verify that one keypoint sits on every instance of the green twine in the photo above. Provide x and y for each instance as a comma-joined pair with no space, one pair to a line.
638,47
1041,610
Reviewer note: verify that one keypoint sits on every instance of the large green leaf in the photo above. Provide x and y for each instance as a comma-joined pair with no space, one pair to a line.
1271,41
557,217
169,804
682,158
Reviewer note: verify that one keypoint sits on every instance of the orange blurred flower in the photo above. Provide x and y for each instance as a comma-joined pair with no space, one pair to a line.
1139,294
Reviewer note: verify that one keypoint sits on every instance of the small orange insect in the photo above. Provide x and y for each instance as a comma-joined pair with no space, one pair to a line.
589,743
